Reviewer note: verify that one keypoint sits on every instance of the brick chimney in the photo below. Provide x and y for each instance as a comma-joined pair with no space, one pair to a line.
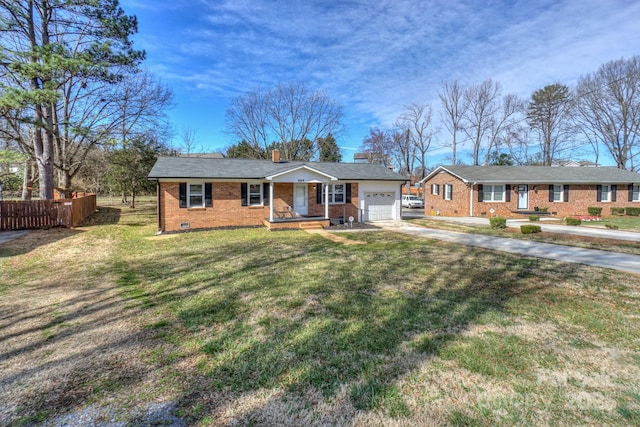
275,156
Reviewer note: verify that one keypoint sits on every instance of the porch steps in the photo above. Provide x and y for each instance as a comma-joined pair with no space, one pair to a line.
312,225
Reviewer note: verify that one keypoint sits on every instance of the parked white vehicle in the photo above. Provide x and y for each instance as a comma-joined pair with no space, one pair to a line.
412,202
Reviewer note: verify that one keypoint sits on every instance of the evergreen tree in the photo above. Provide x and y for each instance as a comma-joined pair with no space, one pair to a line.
45,45
329,150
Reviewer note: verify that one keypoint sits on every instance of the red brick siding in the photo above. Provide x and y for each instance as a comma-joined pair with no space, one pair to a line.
581,197
227,209
317,209
435,203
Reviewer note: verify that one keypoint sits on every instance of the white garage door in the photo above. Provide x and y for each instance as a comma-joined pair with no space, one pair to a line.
378,206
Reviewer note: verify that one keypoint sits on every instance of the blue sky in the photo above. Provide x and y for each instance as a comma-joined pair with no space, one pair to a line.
372,56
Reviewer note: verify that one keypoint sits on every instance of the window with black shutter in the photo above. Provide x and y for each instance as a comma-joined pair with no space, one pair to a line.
183,194
243,194
208,190
266,188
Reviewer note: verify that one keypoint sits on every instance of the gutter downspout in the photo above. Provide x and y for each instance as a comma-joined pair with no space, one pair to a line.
471,199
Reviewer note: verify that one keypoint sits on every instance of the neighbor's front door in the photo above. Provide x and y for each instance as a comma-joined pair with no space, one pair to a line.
523,196
300,199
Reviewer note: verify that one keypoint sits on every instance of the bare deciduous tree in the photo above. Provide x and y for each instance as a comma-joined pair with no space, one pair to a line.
189,139
453,105
505,124
44,44
481,106
379,145
608,109
289,115
416,120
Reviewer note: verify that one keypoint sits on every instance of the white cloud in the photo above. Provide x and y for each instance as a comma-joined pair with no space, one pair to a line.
376,56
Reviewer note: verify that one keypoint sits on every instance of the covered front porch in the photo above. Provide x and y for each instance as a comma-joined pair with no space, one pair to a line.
292,199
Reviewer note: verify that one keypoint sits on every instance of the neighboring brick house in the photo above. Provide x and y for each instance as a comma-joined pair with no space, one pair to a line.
513,191
207,193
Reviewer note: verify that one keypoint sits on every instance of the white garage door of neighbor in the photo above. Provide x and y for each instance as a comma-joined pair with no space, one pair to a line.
379,206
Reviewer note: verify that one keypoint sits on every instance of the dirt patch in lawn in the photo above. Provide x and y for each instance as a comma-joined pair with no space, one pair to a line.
336,237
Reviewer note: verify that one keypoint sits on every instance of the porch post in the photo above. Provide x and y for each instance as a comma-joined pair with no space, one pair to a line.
271,201
326,200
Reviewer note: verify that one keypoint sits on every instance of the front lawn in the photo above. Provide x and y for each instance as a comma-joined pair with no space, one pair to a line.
253,327
631,223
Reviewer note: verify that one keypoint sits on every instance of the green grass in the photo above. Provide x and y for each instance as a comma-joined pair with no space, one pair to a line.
393,328
630,223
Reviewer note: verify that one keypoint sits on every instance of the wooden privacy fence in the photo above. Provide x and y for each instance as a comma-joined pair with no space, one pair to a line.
34,214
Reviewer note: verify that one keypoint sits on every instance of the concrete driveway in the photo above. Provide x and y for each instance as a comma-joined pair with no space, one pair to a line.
598,258
6,236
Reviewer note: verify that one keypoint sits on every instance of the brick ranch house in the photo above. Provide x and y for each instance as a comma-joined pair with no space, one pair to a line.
513,191
208,193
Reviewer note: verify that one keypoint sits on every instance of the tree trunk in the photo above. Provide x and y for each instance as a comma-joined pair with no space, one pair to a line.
27,180
65,183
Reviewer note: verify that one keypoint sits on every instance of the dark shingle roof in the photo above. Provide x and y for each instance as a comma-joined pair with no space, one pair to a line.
204,168
541,174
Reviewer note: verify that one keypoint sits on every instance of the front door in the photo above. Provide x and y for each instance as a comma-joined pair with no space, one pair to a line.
300,199
523,196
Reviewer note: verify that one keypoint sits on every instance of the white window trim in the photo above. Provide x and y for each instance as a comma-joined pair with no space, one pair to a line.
448,191
435,189
493,193
189,205
332,194
635,193
561,199
606,195
259,184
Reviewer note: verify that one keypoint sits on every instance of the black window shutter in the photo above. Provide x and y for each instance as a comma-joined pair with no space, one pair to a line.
319,193
266,187
347,196
208,201
599,193
507,196
614,190
480,192
551,192
183,194
566,193
243,193
451,186
631,192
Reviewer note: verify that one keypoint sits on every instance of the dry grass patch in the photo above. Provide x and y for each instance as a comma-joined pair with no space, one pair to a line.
241,327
